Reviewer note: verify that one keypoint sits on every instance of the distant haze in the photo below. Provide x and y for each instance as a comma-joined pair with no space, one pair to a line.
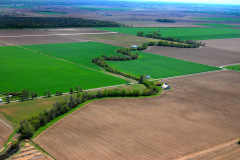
198,1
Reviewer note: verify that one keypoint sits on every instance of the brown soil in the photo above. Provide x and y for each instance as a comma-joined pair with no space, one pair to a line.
231,44
228,151
5,132
47,36
200,112
204,55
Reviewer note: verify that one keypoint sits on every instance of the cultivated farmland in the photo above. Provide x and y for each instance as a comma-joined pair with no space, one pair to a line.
80,53
5,131
159,66
199,113
183,33
38,72
206,55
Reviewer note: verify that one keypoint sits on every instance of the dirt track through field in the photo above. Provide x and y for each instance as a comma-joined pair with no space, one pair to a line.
205,55
200,112
5,131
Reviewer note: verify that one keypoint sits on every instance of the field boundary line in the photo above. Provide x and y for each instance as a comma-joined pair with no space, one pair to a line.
191,74
205,151
60,34
8,125
229,65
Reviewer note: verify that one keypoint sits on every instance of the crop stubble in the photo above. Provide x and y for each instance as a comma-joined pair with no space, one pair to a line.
199,113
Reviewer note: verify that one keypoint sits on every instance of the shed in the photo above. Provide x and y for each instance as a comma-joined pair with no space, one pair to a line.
165,86
134,46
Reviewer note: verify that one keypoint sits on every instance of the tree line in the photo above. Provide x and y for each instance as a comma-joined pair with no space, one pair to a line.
28,127
128,55
165,20
51,22
180,43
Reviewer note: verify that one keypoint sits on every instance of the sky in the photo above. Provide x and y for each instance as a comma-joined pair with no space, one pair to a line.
201,1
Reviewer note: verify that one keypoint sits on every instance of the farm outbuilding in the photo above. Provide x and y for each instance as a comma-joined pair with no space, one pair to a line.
134,46
165,86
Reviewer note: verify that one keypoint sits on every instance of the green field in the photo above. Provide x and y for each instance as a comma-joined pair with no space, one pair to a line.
221,19
182,33
159,66
218,25
21,68
49,12
80,53
234,67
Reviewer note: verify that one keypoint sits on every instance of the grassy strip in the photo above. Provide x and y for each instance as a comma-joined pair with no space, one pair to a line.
234,68
221,19
217,25
8,140
40,130
181,33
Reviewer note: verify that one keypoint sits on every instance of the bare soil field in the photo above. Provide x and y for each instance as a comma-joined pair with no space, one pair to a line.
231,44
117,39
5,132
204,55
228,151
47,36
200,112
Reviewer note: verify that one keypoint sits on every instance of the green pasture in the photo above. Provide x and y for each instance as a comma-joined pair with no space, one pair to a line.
80,53
218,25
234,67
21,68
221,19
49,12
160,66
181,33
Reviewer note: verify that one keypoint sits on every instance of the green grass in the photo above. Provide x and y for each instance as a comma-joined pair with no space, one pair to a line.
234,67
160,66
49,12
80,53
182,33
21,68
221,19
218,25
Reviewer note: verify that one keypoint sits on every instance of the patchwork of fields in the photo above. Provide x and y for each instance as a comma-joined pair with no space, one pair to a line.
160,66
182,33
37,72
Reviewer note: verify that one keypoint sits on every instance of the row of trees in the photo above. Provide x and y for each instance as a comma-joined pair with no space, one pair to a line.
28,127
51,22
165,20
180,43
127,55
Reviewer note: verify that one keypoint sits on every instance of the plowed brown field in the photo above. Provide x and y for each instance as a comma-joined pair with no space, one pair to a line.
204,55
5,132
200,112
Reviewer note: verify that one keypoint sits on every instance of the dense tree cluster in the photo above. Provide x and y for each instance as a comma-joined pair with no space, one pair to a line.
165,20
51,22
179,43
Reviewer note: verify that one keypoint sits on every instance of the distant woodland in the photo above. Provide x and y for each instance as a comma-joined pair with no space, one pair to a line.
165,20
51,22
